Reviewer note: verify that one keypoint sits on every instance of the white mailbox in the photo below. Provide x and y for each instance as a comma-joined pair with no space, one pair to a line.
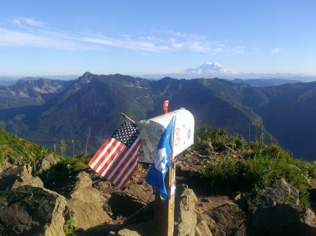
152,129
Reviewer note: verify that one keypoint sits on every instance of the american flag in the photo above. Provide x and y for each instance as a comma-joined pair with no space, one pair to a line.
117,159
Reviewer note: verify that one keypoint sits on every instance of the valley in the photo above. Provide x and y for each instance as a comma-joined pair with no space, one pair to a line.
47,111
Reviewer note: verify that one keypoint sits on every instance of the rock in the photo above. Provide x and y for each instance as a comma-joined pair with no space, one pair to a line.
228,219
86,204
15,177
46,162
187,218
276,211
308,217
136,196
280,192
141,222
282,219
202,229
31,210
127,232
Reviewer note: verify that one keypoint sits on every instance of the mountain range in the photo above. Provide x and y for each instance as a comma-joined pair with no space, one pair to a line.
216,70
48,111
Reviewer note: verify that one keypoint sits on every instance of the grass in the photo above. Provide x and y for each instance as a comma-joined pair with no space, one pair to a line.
258,165
15,150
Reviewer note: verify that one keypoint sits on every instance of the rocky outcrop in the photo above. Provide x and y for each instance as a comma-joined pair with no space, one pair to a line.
276,211
46,162
86,204
18,176
282,219
28,210
26,207
280,192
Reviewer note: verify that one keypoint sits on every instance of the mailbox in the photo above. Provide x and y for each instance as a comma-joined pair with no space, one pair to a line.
152,129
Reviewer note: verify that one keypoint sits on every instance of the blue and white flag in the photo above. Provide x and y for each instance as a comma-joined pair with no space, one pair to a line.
159,168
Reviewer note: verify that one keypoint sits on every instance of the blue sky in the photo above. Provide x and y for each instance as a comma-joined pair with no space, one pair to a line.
137,37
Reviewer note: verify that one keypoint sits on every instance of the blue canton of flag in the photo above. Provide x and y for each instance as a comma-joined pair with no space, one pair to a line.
157,172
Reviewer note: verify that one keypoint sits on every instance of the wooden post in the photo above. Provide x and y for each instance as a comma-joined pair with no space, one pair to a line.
164,212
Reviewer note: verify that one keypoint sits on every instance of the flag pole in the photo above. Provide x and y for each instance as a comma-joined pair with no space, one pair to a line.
128,118
164,212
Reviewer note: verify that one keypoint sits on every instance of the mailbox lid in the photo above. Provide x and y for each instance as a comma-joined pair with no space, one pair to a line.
183,135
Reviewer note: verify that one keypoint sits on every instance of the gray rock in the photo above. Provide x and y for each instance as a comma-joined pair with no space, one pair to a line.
276,211
28,210
280,192
187,220
202,229
86,204
14,177
228,219
282,219
46,162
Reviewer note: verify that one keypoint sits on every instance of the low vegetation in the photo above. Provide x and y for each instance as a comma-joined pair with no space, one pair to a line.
63,169
14,150
238,165
253,165
70,227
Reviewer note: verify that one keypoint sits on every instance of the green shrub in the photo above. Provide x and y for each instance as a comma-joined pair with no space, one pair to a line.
261,166
221,173
70,227
218,138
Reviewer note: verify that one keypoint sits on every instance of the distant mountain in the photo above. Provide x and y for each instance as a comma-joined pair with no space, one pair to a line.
5,81
207,70
286,112
215,70
290,116
265,82
30,92
96,101
10,80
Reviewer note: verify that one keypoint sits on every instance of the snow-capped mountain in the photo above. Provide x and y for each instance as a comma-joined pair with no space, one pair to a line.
209,69
215,70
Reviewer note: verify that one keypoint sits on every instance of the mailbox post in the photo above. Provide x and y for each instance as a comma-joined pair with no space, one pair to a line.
182,138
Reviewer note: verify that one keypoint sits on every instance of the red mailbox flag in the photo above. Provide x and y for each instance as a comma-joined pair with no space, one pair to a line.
165,106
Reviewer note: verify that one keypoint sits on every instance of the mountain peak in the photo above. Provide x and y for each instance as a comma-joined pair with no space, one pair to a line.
86,77
209,68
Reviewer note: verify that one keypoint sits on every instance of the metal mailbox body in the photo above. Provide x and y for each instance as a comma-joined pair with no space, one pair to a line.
152,129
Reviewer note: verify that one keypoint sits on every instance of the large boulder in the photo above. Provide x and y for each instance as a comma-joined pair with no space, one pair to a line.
28,210
282,219
280,192
86,204
276,211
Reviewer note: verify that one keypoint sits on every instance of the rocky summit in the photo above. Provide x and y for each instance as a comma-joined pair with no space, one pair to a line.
86,204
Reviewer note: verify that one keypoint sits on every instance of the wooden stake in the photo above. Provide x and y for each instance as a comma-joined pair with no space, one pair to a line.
164,212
